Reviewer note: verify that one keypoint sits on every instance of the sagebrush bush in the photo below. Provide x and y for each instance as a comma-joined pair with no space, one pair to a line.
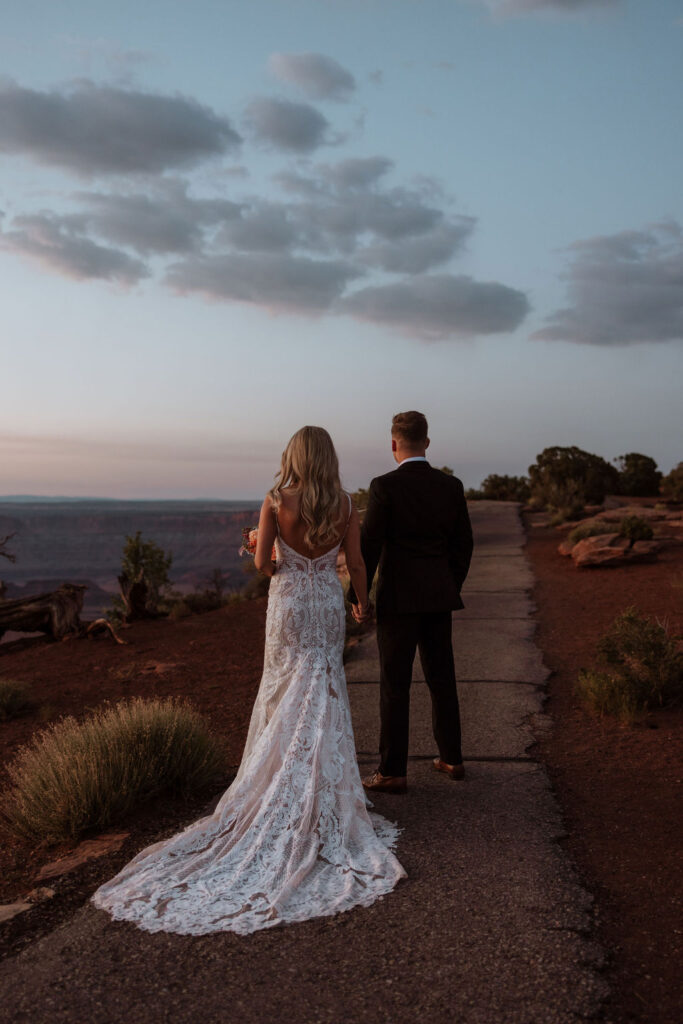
642,668
15,698
593,528
608,694
76,775
635,528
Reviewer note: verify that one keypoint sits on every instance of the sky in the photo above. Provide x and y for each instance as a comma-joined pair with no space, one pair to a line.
221,221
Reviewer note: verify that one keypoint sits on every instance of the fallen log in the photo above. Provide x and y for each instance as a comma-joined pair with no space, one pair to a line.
56,613
101,626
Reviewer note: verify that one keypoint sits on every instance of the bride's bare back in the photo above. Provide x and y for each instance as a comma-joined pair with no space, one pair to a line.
292,530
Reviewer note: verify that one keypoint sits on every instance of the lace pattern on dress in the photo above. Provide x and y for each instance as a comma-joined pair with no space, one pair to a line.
292,838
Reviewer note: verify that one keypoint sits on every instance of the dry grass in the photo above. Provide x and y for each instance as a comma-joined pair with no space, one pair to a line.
76,775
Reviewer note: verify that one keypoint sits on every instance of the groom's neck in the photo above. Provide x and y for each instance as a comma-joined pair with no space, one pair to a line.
409,453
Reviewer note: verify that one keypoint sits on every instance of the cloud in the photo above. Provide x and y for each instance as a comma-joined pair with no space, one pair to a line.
357,172
97,129
278,282
262,227
167,222
317,76
623,289
57,243
421,252
296,127
439,306
524,6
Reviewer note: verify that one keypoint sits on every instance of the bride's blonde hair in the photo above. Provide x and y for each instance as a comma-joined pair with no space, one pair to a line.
311,468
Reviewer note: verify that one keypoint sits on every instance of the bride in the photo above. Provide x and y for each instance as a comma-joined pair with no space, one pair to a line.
291,838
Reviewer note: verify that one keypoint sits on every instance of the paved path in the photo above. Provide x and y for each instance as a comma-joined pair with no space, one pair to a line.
489,928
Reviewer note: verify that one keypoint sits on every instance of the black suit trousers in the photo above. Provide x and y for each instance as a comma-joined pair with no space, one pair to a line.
398,637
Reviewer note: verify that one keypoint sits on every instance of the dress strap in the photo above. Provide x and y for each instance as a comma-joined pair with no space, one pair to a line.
277,521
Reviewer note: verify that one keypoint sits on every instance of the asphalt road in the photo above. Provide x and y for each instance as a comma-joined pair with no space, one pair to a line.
491,926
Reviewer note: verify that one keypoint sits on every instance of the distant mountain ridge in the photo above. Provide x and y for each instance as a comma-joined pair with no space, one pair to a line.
81,540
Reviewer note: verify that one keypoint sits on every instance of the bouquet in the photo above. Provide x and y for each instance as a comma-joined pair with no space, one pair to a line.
249,539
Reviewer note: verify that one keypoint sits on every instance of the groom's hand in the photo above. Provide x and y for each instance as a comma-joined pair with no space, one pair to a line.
361,615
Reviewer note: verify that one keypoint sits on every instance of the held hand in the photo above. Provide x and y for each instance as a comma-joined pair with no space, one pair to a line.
362,614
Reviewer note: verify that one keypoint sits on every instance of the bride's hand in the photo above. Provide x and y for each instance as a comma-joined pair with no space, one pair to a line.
362,613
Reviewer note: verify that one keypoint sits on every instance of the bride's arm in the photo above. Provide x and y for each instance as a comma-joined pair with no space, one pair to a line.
355,563
266,538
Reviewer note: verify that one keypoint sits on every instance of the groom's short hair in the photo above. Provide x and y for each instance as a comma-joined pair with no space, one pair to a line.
409,427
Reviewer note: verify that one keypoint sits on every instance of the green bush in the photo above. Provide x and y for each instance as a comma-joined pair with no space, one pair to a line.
76,775
592,528
14,699
672,483
638,475
497,487
563,480
642,667
635,528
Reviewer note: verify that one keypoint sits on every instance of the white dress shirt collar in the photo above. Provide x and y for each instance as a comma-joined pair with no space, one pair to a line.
413,458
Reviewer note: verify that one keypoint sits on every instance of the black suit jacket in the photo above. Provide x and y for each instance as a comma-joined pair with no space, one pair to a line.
417,531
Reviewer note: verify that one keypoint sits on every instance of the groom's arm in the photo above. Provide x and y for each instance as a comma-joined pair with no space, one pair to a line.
461,551
375,528
373,532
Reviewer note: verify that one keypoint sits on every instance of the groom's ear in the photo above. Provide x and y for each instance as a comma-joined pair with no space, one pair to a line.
394,446
426,444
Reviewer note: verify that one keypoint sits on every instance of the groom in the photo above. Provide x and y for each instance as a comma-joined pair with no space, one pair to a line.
417,530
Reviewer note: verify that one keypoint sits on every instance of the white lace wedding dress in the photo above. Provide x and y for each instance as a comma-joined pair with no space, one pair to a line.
292,837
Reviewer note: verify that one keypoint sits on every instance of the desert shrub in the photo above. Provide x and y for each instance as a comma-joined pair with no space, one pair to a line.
360,498
497,487
147,559
565,479
642,667
591,528
203,601
217,581
447,470
179,610
474,494
635,528
76,775
638,475
4,550
672,483
565,499
15,699
608,694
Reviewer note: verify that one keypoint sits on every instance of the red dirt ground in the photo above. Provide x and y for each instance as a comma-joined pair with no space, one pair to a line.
619,785
214,659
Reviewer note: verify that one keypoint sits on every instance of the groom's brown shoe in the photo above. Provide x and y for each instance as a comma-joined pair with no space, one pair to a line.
386,783
455,771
